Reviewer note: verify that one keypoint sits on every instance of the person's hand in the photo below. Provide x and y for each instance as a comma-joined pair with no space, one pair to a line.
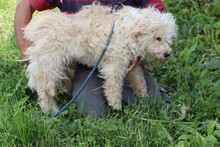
23,46
25,59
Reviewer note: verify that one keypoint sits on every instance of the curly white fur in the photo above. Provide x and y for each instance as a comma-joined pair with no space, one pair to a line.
61,39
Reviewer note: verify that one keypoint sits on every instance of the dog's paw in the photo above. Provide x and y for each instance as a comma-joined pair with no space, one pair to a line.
116,105
141,93
48,107
68,87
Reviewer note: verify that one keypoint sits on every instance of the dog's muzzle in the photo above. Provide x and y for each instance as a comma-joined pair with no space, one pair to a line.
166,55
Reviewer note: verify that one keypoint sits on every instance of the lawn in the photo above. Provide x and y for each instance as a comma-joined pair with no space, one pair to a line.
192,118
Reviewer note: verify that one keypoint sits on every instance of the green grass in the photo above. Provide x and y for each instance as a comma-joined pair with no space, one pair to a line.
191,120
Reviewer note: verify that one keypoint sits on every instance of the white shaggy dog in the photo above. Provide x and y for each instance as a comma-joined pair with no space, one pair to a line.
59,40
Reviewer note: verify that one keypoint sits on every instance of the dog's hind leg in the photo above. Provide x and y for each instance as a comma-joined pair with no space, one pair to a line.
45,77
43,82
114,78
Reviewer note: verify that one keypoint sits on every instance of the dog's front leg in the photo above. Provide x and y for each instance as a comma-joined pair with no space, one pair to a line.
114,77
68,82
46,102
135,79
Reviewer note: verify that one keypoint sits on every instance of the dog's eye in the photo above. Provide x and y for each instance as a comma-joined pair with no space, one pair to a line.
158,39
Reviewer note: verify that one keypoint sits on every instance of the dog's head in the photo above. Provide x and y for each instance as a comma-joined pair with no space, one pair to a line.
155,33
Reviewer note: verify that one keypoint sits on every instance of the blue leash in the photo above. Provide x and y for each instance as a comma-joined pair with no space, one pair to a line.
88,77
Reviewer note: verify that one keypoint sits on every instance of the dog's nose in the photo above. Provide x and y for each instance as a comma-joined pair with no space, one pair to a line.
166,55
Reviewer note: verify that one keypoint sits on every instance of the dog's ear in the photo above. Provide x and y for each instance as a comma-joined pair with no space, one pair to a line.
139,32
137,35
145,30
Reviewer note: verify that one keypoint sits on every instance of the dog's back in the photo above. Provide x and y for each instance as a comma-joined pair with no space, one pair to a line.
55,24
95,9
41,25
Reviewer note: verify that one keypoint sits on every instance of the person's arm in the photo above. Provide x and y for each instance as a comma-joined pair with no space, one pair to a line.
23,15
